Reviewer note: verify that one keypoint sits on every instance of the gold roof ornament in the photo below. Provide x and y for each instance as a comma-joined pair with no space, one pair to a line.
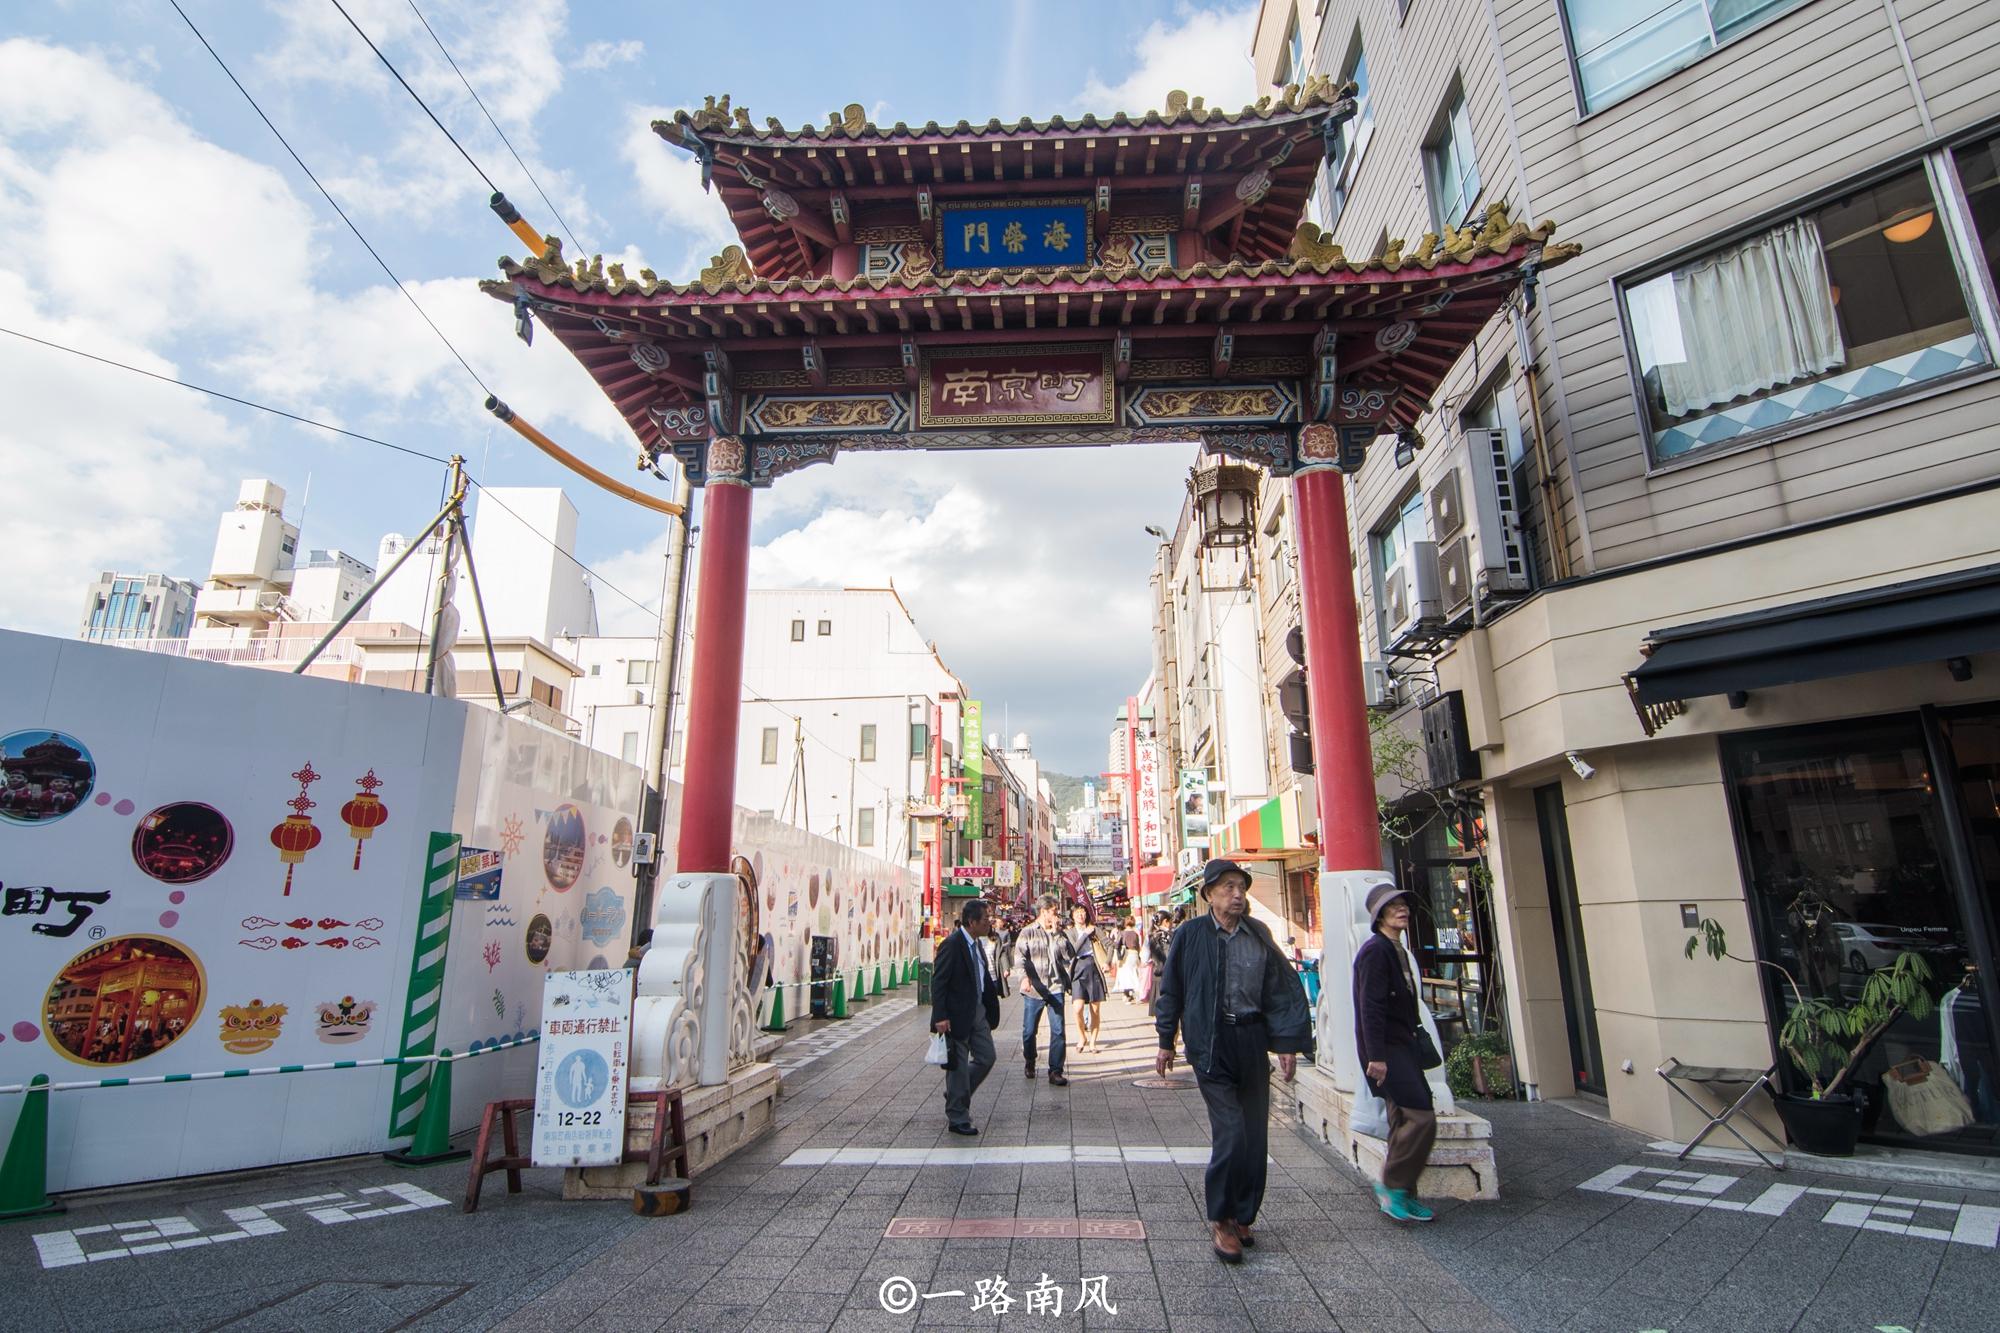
729,268
1310,245
717,115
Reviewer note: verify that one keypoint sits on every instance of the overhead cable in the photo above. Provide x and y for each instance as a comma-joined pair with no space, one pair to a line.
329,197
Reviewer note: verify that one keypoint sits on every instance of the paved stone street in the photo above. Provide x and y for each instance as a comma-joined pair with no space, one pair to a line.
1593,1231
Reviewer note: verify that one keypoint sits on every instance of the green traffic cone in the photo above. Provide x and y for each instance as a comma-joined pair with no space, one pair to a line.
912,970
24,1173
839,997
776,1023
895,975
875,986
432,1142
860,983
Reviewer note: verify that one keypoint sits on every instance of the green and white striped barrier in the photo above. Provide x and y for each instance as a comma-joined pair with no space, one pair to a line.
420,1019
147,1080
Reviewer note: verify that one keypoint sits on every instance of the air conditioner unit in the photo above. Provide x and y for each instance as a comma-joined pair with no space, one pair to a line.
1396,596
1500,568
1423,595
1447,509
1455,580
1378,685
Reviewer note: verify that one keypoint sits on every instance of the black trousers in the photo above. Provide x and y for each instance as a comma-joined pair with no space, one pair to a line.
1238,1092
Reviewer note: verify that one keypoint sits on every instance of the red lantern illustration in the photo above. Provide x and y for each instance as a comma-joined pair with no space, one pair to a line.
296,835
365,813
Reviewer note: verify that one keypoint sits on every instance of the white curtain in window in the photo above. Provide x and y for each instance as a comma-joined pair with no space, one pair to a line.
1753,317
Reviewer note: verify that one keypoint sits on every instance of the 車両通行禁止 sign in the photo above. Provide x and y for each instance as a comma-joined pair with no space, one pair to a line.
1017,386
580,1082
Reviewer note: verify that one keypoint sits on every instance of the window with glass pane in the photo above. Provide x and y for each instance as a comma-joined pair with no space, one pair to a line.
868,742
769,754
864,828
638,672
798,631
628,747
1354,135
920,739
1623,46
1979,173
1853,301
1496,410
1842,838
1391,543
1450,169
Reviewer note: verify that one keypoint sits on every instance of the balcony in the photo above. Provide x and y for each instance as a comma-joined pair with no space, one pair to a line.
240,606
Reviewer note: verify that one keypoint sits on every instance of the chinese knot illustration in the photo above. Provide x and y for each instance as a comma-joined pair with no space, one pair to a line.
297,835
365,813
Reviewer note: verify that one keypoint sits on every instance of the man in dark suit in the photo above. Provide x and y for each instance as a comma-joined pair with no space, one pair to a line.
965,1006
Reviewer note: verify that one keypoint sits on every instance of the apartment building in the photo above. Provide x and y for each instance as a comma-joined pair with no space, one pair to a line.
1692,592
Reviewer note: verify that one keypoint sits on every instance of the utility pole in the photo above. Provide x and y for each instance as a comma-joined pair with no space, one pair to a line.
660,718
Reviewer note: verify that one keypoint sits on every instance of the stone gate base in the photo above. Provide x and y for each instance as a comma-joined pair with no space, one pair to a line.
1461,1165
719,1120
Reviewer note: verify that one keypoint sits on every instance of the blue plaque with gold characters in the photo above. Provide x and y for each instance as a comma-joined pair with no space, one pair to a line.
1028,233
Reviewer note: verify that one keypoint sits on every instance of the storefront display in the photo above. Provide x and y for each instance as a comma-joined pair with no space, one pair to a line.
1861,843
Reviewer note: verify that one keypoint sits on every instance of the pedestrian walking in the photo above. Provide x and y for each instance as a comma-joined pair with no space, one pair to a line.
1046,956
1156,959
1087,978
965,1006
1235,1002
1128,962
1395,1051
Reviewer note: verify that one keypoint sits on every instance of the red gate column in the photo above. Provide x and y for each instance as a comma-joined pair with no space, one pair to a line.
715,685
1343,762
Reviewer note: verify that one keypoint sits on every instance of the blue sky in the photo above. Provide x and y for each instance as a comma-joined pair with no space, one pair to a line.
152,218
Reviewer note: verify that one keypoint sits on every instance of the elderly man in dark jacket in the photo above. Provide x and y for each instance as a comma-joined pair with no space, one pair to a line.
1236,1001
965,1007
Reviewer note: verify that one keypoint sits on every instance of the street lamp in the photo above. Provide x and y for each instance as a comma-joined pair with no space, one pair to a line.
1225,498
1152,531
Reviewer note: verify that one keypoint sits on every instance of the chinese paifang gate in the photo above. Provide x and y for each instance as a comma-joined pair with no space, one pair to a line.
1142,278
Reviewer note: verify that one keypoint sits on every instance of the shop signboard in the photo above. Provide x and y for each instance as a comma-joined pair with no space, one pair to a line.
1193,804
1150,833
580,1081
1006,874
972,764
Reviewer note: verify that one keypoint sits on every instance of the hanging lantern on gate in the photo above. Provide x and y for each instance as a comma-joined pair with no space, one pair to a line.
1225,500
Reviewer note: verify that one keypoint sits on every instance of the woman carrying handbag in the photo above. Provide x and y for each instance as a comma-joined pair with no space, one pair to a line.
1395,1050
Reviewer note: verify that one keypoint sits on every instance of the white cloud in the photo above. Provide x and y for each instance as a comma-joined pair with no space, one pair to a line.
603,55
1203,52
669,183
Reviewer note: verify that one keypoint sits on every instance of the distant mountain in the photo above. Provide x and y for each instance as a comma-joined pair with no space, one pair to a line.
1068,791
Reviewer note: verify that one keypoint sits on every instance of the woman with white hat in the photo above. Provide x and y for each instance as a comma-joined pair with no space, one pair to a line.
1395,1051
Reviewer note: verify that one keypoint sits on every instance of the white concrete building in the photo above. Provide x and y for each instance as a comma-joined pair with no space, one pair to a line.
524,549
135,609
326,584
839,686
251,570
612,700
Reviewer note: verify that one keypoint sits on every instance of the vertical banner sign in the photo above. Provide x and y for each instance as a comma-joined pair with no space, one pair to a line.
1150,843
580,1083
420,1018
1193,803
972,764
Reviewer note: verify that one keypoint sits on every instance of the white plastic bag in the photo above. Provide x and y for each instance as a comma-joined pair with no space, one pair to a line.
1371,1114
940,1052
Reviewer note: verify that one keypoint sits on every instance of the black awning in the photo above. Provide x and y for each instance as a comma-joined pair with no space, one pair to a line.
1898,624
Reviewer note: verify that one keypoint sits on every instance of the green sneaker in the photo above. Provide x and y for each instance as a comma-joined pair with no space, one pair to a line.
1412,1210
1401,1206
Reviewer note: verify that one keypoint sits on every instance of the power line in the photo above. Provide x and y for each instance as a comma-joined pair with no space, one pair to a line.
226,397
329,197
413,93
489,120
331,429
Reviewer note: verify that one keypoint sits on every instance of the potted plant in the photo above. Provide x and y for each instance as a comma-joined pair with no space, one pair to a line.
1825,1041
1479,1063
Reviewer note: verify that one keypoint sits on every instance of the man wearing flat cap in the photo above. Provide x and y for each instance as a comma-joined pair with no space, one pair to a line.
1235,1001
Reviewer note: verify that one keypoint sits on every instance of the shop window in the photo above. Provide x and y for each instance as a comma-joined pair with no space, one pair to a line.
1856,300
1622,46
1842,834
769,753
